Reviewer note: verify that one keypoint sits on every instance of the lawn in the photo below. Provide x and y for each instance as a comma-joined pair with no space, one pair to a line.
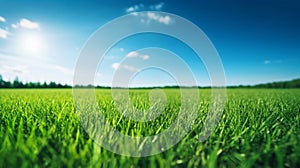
258,127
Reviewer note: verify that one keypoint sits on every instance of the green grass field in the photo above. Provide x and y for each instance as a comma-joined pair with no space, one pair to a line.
259,127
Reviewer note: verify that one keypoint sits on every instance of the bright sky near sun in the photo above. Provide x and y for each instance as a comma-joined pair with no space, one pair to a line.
258,41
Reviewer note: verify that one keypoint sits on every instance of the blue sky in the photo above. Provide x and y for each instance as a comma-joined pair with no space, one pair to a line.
258,41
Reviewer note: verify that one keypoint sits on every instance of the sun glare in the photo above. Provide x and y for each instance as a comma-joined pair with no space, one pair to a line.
31,44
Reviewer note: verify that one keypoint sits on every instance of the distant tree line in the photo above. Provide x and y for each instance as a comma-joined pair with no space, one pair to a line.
19,84
283,84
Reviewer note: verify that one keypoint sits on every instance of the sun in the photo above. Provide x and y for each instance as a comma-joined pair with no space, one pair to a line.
31,44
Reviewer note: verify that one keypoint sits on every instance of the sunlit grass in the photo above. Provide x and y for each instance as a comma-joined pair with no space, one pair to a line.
259,127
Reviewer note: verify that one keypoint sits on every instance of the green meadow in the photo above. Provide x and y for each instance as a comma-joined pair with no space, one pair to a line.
258,128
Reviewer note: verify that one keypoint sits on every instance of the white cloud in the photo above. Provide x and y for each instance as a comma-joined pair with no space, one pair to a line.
153,16
158,6
115,66
14,26
133,54
145,57
27,24
3,33
150,16
118,66
267,62
130,9
2,19
134,13
134,8
161,19
129,68
165,19
140,7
